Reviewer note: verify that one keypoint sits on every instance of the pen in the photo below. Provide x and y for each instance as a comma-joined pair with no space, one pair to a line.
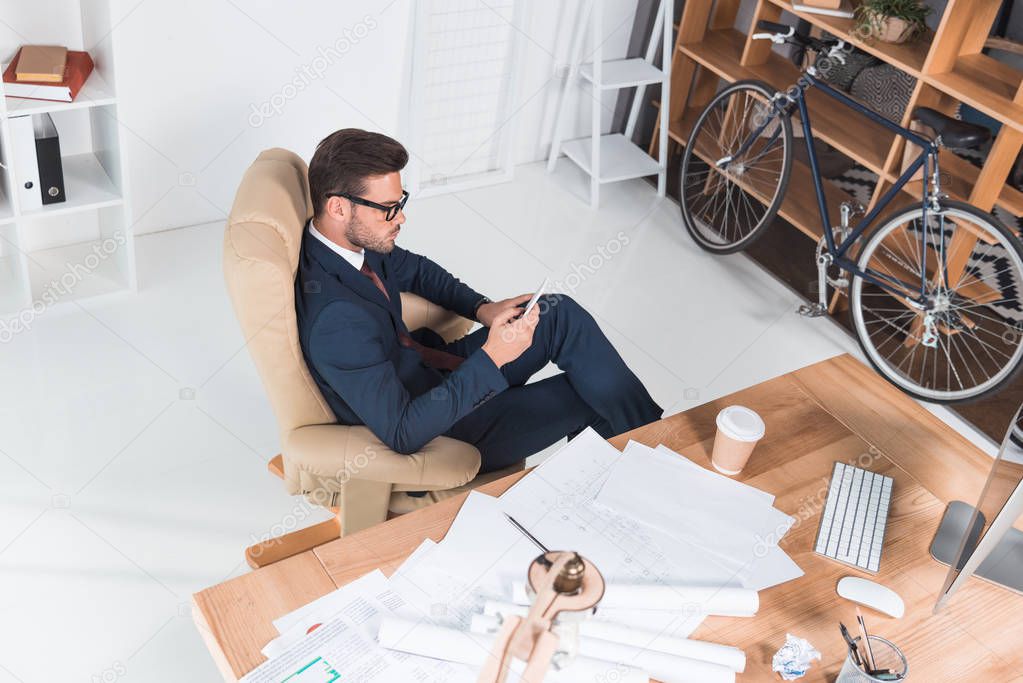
869,654
528,535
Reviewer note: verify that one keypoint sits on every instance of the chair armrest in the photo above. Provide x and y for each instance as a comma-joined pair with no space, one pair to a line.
335,454
417,312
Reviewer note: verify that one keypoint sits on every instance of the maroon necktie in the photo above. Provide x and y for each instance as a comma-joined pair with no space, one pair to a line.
435,358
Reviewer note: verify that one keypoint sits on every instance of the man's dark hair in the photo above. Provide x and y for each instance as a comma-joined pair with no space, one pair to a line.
346,158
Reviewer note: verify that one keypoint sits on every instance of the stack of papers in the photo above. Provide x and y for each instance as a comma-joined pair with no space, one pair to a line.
675,543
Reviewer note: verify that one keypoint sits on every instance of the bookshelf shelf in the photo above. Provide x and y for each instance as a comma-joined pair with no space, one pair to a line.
87,184
620,159
39,243
987,85
623,73
94,93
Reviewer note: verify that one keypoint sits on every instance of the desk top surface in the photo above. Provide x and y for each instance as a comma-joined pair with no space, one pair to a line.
837,409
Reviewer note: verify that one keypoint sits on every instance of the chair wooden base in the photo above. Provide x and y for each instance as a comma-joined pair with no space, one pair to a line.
284,546
295,542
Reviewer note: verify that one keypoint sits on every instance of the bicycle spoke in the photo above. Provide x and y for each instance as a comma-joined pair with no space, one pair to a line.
968,347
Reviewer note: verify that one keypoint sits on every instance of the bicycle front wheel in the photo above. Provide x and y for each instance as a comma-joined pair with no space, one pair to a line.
967,340
735,168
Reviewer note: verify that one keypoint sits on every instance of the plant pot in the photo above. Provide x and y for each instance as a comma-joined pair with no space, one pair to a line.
894,30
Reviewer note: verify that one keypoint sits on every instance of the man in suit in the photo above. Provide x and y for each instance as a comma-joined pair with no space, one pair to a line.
408,386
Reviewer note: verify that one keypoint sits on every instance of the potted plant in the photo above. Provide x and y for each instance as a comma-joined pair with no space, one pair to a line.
891,21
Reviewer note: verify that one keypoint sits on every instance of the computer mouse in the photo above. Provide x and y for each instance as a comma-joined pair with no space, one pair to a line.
872,595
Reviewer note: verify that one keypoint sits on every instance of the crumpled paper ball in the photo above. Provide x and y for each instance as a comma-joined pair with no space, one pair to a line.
792,661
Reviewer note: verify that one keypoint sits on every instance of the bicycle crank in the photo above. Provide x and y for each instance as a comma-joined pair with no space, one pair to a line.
841,282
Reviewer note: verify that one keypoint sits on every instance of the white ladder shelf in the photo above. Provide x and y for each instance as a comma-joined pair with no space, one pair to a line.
613,157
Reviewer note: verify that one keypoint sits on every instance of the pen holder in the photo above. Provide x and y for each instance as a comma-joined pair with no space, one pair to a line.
886,656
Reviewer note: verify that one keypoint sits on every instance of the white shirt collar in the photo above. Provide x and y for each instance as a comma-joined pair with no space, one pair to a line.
356,258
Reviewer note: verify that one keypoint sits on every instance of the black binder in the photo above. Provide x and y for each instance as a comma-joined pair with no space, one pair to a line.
51,172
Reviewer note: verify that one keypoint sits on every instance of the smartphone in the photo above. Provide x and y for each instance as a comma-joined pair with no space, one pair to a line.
536,297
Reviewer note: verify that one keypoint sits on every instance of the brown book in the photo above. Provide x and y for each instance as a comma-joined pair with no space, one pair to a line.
79,66
41,63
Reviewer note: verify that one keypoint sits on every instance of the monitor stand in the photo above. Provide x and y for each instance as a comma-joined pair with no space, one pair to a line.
1002,566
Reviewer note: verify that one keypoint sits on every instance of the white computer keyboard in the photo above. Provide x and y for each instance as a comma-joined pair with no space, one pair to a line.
855,516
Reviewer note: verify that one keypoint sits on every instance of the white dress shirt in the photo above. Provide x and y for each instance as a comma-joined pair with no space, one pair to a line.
356,258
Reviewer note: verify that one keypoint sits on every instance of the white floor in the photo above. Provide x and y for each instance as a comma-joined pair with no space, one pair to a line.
134,432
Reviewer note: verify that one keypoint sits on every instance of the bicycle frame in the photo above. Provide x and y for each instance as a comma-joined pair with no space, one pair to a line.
926,160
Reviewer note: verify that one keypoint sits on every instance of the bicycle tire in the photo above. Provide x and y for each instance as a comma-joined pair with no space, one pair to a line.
1009,240
690,159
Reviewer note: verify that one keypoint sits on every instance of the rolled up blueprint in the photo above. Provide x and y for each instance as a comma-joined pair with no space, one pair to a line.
472,649
724,601
681,625
715,653
664,666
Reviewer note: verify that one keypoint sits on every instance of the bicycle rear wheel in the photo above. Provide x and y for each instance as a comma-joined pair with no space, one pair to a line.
729,195
968,341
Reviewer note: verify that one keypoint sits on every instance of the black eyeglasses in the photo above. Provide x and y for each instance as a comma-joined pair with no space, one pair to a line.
390,210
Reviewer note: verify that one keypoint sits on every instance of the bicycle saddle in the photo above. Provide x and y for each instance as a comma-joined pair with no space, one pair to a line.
953,132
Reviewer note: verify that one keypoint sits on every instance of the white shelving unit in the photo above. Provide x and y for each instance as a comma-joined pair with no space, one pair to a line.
83,246
611,157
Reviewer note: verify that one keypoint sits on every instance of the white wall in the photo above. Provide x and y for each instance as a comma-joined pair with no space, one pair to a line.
206,84
196,79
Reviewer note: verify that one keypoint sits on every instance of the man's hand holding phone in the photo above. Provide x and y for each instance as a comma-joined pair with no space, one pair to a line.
510,335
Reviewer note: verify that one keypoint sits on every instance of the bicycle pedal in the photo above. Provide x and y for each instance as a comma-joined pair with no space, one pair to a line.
812,310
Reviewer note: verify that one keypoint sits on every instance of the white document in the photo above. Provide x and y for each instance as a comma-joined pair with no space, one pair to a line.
555,502
737,530
340,650
331,605
774,566
729,486
336,634
477,559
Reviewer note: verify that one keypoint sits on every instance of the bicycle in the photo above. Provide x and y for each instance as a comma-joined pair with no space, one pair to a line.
930,312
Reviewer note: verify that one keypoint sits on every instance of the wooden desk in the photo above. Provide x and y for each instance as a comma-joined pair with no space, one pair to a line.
834,410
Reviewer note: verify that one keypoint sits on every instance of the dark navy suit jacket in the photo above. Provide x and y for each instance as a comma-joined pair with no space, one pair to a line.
349,335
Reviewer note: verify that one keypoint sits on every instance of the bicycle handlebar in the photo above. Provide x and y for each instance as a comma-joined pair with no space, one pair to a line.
782,33
772,27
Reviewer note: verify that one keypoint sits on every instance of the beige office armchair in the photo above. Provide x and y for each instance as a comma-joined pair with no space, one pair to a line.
346,469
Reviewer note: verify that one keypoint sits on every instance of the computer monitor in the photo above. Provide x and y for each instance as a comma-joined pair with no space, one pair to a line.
986,540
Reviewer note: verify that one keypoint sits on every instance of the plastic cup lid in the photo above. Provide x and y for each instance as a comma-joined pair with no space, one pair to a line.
741,423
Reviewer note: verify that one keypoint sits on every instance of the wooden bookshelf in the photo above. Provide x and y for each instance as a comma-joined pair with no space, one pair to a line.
948,66
985,84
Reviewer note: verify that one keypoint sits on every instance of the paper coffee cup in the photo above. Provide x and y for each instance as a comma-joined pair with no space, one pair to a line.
739,430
